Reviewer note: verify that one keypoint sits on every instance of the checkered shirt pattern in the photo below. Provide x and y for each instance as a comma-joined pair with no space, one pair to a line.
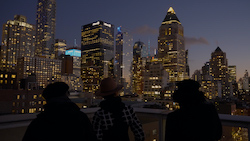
103,120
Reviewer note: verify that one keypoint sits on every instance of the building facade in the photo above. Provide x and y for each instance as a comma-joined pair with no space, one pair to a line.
219,72
97,54
46,70
123,57
60,47
137,68
171,47
18,40
74,80
155,80
45,28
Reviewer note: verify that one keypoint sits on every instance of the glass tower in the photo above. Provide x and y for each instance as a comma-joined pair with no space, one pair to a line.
123,57
18,41
97,49
171,48
137,68
45,28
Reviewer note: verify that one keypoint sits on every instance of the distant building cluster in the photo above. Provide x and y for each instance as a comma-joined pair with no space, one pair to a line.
31,58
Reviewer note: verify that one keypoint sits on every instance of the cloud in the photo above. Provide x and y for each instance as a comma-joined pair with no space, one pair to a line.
189,41
145,30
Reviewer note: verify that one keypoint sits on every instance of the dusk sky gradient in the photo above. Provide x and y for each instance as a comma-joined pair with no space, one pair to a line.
207,24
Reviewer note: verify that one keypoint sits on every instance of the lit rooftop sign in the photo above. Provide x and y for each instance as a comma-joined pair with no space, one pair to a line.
73,52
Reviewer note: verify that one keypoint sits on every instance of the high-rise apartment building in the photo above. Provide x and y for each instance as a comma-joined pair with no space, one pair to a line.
60,47
18,40
171,47
123,56
45,28
97,49
137,68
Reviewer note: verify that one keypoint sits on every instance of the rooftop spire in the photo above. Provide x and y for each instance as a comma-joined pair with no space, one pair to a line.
171,10
171,17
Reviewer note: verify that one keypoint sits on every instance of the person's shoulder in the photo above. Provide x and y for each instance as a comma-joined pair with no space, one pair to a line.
174,113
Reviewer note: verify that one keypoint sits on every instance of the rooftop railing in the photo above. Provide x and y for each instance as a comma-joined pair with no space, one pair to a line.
12,127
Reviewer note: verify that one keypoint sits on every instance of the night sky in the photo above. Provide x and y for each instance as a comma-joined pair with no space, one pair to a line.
207,24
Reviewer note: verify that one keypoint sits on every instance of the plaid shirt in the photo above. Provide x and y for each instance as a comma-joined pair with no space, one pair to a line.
103,120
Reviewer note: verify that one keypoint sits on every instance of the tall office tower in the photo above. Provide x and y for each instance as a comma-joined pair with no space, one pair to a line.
171,47
45,28
60,47
246,81
137,68
155,79
219,71
123,57
18,40
232,73
46,70
97,49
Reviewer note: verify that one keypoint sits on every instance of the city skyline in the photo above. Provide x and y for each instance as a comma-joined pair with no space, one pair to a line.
206,24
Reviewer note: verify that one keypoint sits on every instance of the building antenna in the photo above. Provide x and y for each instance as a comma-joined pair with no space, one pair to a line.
75,45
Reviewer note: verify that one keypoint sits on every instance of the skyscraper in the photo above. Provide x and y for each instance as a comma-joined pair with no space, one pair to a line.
97,49
219,71
123,56
45,28
137,68
171,47
18,41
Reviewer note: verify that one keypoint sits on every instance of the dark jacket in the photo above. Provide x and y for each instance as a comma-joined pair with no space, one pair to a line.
112,121
195,123
60,121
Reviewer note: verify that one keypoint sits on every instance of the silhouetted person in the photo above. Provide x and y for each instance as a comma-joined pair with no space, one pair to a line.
61,118
112,121
196,120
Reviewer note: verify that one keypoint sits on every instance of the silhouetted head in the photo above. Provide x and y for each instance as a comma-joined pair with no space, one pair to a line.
187,92
56,89
108,88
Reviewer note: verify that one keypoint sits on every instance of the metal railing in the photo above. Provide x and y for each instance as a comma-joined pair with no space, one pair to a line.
12,122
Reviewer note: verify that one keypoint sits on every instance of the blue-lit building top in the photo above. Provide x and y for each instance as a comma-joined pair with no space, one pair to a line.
73,52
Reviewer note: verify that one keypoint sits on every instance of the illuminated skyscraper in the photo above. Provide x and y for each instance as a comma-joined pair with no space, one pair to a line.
219,71
171,47
45,28
123,57
18,41
137,68
97,49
